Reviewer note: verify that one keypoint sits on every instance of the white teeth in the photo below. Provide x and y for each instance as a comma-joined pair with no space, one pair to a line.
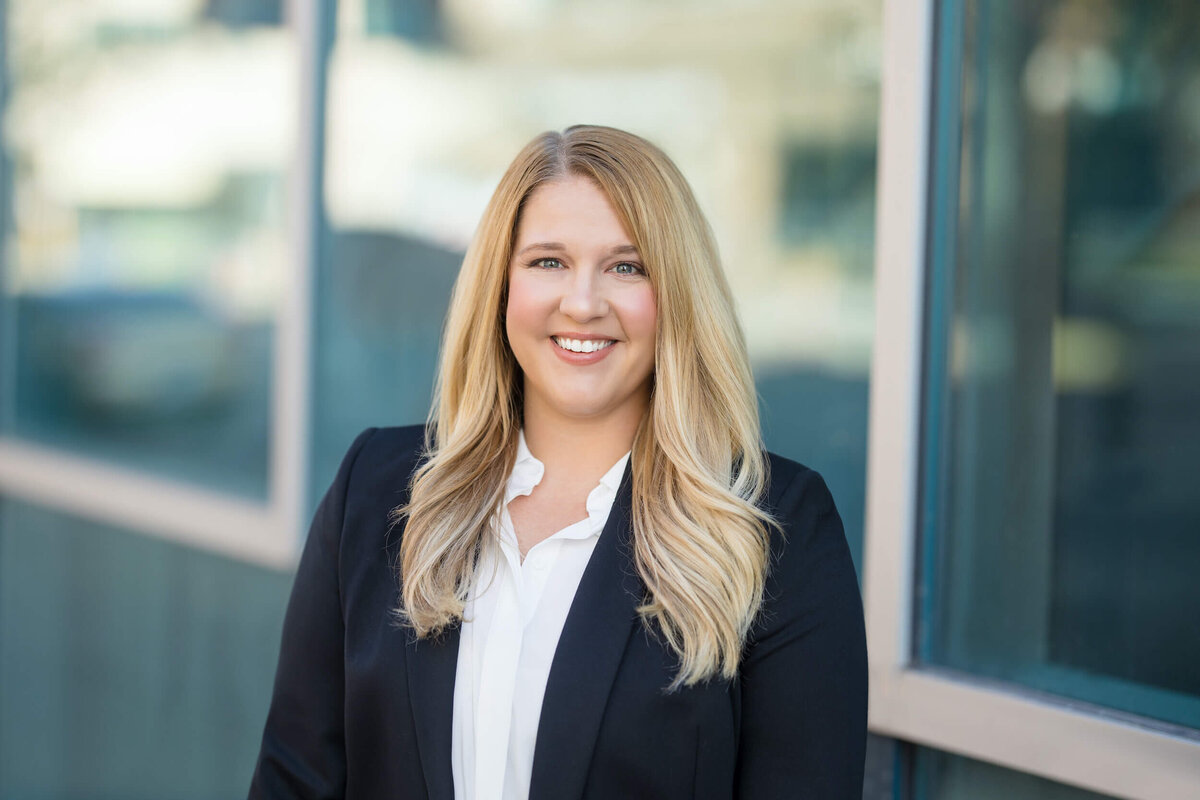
583,345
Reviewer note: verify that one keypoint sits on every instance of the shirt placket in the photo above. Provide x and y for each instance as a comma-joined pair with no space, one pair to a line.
501,654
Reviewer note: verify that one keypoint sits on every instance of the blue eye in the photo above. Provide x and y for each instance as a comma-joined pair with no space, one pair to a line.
547,263
628,268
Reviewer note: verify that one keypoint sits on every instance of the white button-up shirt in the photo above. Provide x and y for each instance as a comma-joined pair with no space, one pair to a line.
513,618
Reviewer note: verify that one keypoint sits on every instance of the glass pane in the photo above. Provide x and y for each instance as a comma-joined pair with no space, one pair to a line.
943,776
770,110
130,667
1062,518
144,148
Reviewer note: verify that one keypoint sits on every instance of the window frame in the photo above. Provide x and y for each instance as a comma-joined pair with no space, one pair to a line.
1056,738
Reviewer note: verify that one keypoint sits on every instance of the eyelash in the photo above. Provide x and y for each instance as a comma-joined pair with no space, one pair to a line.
541,263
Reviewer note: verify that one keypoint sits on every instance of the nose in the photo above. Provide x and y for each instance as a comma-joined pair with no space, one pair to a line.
583,299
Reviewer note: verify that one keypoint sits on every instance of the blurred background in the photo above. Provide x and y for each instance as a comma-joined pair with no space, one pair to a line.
229,234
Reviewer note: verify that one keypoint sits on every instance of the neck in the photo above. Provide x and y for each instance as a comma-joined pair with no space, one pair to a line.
580,448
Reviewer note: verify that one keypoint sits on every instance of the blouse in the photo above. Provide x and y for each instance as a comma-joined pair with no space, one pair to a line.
512,622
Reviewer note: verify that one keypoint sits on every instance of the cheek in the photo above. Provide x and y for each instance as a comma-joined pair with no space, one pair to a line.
641,313
524,309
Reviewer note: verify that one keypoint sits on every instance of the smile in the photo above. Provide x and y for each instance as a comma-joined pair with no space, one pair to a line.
582,345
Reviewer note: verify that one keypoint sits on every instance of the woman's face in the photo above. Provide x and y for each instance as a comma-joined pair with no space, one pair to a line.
581,312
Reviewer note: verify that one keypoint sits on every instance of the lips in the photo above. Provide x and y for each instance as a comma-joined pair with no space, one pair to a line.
583,346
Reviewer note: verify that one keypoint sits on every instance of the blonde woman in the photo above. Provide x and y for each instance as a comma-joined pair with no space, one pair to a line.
583,578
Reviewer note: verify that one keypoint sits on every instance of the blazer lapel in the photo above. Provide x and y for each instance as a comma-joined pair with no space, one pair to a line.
602,617
431,668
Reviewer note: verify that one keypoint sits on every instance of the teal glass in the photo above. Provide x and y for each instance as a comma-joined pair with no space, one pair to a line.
130,666
1060,526
145,149
937,775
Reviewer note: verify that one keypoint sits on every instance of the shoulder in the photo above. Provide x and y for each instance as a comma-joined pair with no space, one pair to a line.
803,677
356,514
378,464
388,451
385,445
811,573
793,488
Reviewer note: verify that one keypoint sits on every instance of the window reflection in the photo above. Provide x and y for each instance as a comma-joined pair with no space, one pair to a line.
1066,539
146,145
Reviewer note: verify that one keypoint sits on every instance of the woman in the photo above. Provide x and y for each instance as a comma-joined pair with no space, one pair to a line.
584,577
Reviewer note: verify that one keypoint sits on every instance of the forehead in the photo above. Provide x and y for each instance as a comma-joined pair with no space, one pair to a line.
572,210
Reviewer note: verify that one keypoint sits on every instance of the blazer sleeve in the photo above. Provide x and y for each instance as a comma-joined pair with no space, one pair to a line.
804,674
303,744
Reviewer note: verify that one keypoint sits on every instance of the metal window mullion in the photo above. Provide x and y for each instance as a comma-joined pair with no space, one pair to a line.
895,390
101,492
1065,742
291,418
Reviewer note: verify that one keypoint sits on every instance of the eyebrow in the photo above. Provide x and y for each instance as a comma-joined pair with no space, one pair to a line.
558,247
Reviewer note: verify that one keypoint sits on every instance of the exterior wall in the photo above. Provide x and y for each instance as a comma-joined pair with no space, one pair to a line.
218,219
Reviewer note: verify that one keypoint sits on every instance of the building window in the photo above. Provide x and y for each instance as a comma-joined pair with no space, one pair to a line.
1059,517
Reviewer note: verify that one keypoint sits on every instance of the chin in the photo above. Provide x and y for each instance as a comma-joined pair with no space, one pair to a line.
582,410
583,405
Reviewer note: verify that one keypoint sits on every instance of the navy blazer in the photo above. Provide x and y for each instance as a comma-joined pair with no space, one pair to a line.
361,709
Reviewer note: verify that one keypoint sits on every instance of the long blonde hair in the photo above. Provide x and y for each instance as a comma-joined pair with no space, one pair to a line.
699,471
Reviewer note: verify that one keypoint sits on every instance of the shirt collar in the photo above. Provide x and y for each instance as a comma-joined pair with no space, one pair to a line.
527,473
612,479
600,500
